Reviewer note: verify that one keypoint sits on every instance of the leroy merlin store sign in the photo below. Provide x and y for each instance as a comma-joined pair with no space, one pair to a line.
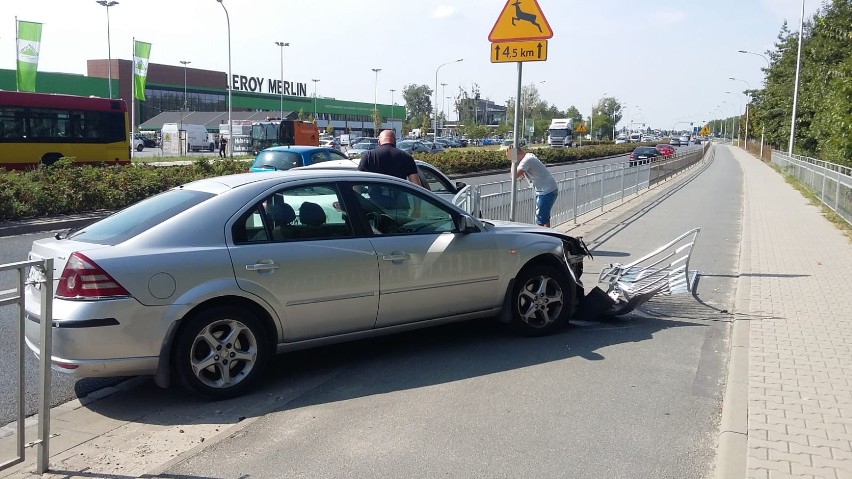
267,85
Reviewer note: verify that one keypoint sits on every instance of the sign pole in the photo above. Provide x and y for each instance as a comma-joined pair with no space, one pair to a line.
515,159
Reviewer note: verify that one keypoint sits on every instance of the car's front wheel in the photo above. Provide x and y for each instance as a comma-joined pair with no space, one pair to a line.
221,352
541,300
139,147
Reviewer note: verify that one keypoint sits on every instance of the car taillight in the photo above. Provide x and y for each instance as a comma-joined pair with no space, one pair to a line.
82,278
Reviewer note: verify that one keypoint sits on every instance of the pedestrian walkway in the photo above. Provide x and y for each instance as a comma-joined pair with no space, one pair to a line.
795,285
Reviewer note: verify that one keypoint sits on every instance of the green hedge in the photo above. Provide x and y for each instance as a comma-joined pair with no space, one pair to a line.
66,188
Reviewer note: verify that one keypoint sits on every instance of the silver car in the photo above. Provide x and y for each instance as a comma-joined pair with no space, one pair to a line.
203,283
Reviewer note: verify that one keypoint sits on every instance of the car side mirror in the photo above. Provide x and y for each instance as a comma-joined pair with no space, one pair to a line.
460,185
466,224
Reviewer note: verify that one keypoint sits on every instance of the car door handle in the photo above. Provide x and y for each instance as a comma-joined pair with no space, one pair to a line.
396,257
261,267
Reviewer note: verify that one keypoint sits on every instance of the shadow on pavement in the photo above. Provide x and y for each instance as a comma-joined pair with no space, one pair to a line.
409,360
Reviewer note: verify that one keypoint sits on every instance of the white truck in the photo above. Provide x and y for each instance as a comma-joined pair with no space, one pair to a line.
185,137
560,133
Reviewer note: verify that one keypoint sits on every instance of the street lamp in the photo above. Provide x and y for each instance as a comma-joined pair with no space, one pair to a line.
393,110
109,47
796,86
739,110
746,128
184,63
732,118
315,80
758,54
281,85
376,89
435,121
444,104
230,123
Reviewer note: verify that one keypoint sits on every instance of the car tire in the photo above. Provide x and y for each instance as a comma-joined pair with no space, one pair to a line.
215,341
139,147
542,300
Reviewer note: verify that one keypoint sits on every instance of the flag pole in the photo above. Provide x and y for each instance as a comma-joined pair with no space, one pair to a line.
132,99
17,87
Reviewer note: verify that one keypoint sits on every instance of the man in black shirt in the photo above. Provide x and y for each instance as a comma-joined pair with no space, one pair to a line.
390,160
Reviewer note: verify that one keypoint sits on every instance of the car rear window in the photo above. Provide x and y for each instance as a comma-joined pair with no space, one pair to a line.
278,160
140,217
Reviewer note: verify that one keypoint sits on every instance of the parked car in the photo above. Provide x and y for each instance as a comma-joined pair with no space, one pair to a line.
666,150
202,284
413,146
620,139
643,154
431,177
331,143
279,158
146,142
674,141
358,149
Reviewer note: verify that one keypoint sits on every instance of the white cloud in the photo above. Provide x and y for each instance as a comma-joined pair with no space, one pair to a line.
443,11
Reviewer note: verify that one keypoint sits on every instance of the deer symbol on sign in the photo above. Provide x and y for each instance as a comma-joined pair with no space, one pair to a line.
522,15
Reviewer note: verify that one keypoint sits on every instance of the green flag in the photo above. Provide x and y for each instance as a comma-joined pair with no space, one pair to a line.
141,53
29,45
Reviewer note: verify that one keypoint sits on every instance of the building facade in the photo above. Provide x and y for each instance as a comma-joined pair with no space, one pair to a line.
172,91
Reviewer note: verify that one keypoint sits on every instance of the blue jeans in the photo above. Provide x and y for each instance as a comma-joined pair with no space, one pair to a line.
543,205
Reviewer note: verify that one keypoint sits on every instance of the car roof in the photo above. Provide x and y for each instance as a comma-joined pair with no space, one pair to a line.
294,148
218,184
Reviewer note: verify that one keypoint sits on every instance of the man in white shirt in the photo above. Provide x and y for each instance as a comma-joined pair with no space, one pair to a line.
542,181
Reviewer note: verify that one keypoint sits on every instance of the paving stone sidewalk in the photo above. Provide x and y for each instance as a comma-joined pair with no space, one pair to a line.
798,269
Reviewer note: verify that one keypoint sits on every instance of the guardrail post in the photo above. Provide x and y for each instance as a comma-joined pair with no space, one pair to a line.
837,194
621,168
44,373
603,177
822,193
575,196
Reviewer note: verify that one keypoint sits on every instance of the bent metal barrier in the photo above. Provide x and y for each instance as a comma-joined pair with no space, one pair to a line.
38,273
580,191
831,182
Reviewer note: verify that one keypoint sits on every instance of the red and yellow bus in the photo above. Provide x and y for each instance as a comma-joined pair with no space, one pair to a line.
41,128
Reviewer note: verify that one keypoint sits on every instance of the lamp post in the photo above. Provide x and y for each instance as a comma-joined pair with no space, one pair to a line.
281,85
230,123
758,54
739,110
393,110
592,120
435,121
315,80
109,46
746,128
732,118
184,63
444,104
796,86
376,97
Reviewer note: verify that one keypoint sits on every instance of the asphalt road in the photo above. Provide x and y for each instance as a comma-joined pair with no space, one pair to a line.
634,397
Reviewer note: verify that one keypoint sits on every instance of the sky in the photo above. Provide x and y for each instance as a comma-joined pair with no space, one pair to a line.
669,61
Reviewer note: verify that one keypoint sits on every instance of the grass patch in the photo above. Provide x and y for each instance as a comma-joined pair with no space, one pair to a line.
838,221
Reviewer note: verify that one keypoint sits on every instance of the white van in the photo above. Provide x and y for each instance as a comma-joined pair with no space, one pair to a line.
196,136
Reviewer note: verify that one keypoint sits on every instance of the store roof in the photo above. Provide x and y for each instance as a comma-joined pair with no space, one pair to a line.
210,119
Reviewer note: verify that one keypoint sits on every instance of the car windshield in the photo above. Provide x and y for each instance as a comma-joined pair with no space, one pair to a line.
405,145
645,150
277,160
140,217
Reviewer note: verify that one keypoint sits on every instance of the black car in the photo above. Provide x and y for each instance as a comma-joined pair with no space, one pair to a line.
644,154
147,142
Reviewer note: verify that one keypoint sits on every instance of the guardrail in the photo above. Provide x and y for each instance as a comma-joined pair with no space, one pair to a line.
580,191
34,272
831,182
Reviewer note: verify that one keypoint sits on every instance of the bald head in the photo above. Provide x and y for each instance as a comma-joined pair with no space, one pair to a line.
387,136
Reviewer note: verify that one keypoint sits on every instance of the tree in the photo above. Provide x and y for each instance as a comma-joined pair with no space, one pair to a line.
418,100
301,115
476,131
573,113
377,121
329,129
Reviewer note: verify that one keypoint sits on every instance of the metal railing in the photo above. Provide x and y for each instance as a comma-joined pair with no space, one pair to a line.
38,273
830,182
580,191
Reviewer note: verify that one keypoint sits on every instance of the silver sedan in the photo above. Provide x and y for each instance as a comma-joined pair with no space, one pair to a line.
203,283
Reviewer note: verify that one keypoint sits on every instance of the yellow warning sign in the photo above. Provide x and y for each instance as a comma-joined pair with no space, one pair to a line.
531,51
581,128
704,131
519,21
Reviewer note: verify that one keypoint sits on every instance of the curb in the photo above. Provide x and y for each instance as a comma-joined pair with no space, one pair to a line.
732,451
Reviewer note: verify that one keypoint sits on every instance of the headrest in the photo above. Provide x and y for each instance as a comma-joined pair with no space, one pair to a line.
311,214
281,213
